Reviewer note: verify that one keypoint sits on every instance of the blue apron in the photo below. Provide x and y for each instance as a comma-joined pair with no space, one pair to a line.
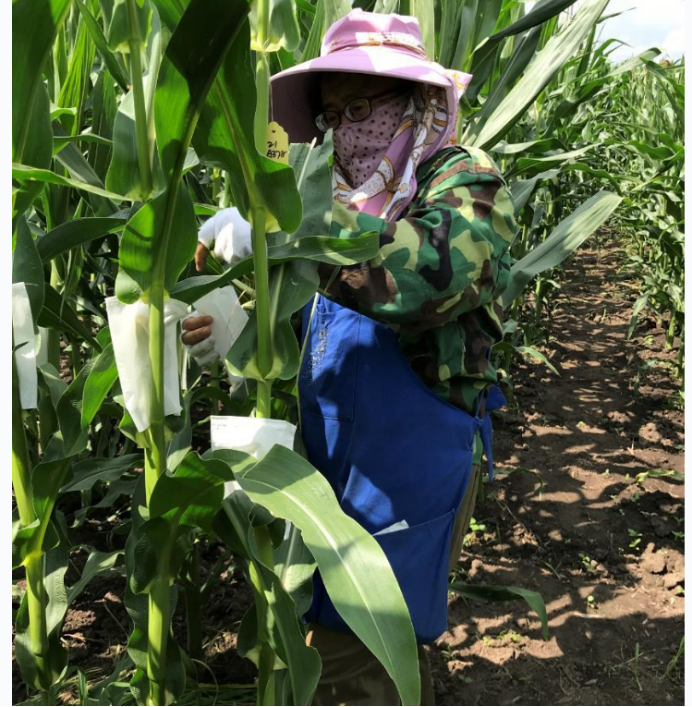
395,453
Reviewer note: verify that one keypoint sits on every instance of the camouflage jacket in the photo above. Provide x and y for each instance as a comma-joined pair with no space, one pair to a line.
439,272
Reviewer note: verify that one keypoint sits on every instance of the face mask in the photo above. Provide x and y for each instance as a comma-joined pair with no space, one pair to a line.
361,146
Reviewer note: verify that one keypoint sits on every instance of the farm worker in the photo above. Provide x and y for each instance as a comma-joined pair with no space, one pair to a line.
397,378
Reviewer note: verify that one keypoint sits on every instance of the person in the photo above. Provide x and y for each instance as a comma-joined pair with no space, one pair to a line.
397,378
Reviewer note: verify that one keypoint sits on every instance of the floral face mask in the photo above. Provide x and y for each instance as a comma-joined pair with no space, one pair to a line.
359,147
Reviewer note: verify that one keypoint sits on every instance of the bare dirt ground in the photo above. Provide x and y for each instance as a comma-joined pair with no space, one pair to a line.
565,517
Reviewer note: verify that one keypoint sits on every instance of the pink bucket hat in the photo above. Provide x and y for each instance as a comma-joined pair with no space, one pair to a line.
361,43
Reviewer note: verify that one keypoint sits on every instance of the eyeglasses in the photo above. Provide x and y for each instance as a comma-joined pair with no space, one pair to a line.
356,110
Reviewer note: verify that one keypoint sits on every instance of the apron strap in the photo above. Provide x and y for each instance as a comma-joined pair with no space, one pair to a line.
492,398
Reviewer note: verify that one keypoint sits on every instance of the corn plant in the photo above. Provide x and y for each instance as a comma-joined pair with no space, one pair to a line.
158,239
134,118
646,139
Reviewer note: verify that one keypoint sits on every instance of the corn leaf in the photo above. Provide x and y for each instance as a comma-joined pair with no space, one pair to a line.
291,287
484,56
225,137
103,111
123,174
73,92
86,473
488,128
99,39
282,625
28,268
334,10
102,377
283,27
71,234
164,229
360,581
142,244
314,40
564,240
119,26
492,593
424,12
58,314
34,28
97,564
30,175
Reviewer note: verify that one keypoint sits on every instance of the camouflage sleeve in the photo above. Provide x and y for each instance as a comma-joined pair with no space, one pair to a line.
448,256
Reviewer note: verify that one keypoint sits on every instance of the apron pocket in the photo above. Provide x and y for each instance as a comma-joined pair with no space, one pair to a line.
419,556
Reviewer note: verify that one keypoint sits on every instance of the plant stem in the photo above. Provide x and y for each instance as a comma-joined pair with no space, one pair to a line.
159,616
670,334
258,217
21,469
74,357
226,194
153,67
262,78
264,399
262,308
538,304
37,599
156,455
266,684
23,493
159,600
38,629
262,110
141,127
157,631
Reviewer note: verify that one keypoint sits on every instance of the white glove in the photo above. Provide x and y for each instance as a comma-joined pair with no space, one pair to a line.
228,234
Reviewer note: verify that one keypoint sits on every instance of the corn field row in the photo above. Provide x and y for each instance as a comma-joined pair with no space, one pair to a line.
133,120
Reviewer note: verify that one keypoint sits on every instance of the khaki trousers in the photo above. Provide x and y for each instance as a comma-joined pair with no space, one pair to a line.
351,675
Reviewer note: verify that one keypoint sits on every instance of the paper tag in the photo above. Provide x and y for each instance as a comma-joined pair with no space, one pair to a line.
277,150
25,357
400,525
277,143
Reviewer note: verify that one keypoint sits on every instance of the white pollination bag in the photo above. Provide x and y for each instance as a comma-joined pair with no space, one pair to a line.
252,435
228,315
42,349
129,325
24,346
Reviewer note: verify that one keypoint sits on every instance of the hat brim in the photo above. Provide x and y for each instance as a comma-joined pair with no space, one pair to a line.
293,91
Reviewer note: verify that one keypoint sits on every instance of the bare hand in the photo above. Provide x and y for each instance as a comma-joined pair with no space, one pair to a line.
201,255
196,329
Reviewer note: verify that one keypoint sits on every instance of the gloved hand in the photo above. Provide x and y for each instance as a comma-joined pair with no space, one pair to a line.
228,234
201,344
198,338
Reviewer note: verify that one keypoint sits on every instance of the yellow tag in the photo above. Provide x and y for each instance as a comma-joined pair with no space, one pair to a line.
277,143
277,150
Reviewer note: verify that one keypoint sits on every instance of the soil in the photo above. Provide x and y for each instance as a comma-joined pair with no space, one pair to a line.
565,517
